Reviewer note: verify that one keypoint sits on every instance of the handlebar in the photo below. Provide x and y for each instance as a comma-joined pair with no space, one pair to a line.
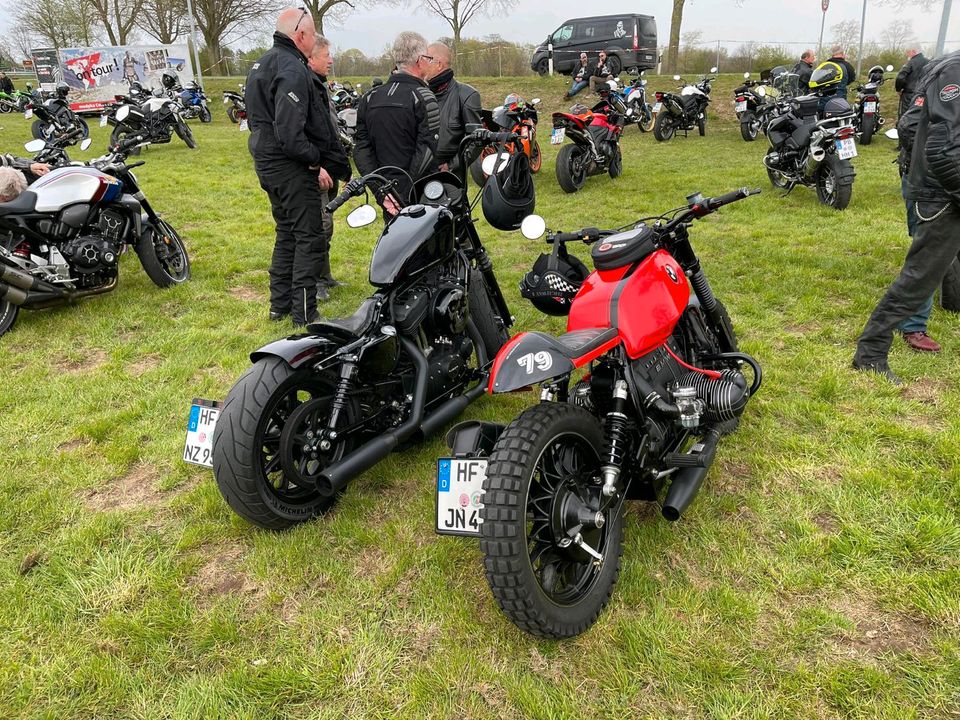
351,189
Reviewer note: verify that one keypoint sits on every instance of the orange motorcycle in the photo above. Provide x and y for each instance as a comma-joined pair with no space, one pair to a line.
518,116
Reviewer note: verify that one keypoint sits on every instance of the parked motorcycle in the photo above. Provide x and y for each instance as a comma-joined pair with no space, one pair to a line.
808,150
193,103
155,119
639,111
684,110
238,106
13,102
344,95
868,118
315,410
595,144
519,117
61,240
347,128
753,107
53,117
665,382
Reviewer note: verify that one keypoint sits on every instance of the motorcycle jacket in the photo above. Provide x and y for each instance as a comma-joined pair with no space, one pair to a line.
288,114
398,123
909,76
459,107
803,70
935,162
17,163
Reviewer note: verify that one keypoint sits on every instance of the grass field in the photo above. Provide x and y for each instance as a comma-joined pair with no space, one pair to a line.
816,576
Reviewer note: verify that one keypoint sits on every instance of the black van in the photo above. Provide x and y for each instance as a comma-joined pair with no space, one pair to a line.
630,42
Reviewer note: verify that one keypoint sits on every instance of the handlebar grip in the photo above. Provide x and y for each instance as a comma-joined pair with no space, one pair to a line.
587,235
730,197
350,190
503,137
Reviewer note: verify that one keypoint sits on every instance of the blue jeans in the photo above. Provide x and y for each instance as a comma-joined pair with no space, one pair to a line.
918,322
576,87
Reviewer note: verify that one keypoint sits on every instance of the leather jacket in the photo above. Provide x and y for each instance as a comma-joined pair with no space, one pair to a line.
459,107
909,76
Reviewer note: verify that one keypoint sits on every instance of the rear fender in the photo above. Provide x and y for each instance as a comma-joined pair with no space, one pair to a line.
527,359
473,438
296,350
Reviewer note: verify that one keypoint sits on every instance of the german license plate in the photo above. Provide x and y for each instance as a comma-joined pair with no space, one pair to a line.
243,124
226,100
656,107
103,121
742,106
28,114
459,495
557,136
198,448
846,148
869,107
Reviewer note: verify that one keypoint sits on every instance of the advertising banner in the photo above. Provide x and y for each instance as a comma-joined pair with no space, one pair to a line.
47,66
96,74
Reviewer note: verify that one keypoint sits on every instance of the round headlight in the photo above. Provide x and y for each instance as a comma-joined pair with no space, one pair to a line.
433,190
761,91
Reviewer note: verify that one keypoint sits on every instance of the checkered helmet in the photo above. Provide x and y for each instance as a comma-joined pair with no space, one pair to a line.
554,281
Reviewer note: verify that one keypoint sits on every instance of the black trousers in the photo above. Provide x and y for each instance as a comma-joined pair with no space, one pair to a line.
324,274
935,245
302,246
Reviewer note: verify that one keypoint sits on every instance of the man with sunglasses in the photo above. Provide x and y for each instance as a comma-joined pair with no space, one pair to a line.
297,153
398,123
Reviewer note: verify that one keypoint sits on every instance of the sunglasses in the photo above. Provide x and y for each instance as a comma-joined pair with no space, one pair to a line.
302,16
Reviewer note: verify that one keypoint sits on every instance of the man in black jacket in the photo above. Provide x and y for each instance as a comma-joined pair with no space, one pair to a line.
804,69
459,108
6,84
933,186
602,73
849,75
398,122
296,153
909,77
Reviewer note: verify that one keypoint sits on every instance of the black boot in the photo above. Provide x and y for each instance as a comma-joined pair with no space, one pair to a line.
304,307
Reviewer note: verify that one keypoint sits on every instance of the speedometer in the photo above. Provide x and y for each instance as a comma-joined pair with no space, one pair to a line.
433,190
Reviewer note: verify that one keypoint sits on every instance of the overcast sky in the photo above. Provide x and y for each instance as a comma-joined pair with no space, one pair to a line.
770,21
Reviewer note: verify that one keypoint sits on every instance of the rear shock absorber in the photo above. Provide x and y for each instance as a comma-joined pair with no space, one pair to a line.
616,439
339,402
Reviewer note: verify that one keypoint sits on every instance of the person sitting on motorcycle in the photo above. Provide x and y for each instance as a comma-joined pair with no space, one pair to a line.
25,164
581,78
12,184
804,69
601,73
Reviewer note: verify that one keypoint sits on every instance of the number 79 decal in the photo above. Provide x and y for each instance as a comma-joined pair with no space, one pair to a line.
539,361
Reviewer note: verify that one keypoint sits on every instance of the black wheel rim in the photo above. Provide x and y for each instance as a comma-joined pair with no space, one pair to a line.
170,252
563,476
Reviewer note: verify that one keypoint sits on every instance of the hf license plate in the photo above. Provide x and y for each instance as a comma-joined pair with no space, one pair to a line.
198,448
103,121
742,106
846,148
869,108
557,136
459,495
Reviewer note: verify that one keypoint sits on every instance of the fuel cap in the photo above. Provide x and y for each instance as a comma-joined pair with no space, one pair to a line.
415,210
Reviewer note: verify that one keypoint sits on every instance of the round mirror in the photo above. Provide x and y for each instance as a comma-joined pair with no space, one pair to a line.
676,77
892,134
713,69
533,227
87,142
535,101
35,146
123,112
889,68
643,82
361,216
490,163
746,76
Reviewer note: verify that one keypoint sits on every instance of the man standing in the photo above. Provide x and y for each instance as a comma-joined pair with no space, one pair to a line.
804,69
933,185
581,77
909,77
459,108
6,84
398,122
296,153
601,73
848,75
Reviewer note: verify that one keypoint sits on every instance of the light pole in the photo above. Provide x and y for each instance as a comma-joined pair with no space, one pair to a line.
863,22
193,39
824,4
944,21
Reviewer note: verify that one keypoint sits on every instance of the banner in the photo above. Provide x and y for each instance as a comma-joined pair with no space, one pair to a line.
96,74
47,66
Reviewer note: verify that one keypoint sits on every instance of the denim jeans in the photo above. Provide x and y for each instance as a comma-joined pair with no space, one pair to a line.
576,87
918,322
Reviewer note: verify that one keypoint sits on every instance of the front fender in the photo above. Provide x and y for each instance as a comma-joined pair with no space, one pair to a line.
296,350
527,359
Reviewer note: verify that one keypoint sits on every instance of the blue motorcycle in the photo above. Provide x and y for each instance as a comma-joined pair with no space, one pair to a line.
194,103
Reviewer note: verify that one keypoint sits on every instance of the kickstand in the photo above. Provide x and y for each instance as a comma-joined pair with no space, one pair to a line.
790,188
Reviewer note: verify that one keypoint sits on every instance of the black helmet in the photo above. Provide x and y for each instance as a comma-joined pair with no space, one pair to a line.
509,195
554,281
62,89
136,87
376,81
169,79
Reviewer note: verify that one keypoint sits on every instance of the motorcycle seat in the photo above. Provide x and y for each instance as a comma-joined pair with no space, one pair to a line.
579,343
27,202
349,328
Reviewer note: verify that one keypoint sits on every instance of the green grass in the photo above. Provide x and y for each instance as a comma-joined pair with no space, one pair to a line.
816,576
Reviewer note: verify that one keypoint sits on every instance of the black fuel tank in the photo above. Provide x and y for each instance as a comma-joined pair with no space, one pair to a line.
417,239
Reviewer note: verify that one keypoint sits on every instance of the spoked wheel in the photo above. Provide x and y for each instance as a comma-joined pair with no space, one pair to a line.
541,493
163,255
831,190
8,315
571,168
185,133
266,456
663,127
777,178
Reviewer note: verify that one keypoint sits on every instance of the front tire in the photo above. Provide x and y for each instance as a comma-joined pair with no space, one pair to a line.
163,255
247,459
615,169
702,124
8,315
646,125
543,67
748,127
120,133
232,114
36,129
831,189
663,127
571,173
185,133
543,465
536,157
82,124
205,115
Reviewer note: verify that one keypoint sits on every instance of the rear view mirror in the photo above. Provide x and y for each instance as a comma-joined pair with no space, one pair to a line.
87,142
746,76
533,227
35,146
362,216
491,165
676,77
892,134
714,69
123,112
889,68
535,101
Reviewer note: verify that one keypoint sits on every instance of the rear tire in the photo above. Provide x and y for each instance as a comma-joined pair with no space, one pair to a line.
663,127
777,178
571,174
542,460
8,315
232,114
950,289
830,189
748,127
866,135
185,133
163,255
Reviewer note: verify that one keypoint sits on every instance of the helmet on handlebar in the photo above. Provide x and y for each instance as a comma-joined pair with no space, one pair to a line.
554,281
509,195
827,76
62,90
169,79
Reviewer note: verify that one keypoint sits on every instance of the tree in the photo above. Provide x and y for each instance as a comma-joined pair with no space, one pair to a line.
164,20
846,34
457,13
676,20
58,23
898,35
218,20
118,17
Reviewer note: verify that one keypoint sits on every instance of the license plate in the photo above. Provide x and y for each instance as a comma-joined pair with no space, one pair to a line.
28,114
656,107
742,106
557,136
103,121
226,100
869,107
459,495
198,448
846,148
243,124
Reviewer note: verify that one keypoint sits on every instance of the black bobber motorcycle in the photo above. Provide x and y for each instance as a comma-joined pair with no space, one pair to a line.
316,410
664,381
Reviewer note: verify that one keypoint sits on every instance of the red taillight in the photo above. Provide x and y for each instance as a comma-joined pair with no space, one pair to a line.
741,99
659,96
845,132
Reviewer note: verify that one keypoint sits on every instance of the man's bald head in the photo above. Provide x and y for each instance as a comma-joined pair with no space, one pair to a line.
297,24
912,52
442,59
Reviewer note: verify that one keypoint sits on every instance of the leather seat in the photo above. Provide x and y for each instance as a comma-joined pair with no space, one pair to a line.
27,202
578,343
350,328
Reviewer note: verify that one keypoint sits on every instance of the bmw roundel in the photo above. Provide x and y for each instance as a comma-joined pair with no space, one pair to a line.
672,273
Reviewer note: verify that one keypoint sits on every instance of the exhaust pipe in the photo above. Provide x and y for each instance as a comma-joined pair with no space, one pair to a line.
686,483
24,281
814,158
13,295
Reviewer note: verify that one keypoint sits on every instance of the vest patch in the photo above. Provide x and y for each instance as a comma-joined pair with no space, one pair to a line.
950,92
293,96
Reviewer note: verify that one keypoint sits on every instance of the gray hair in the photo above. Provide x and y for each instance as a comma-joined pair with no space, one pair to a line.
321,42
407,48
12,183
441,52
